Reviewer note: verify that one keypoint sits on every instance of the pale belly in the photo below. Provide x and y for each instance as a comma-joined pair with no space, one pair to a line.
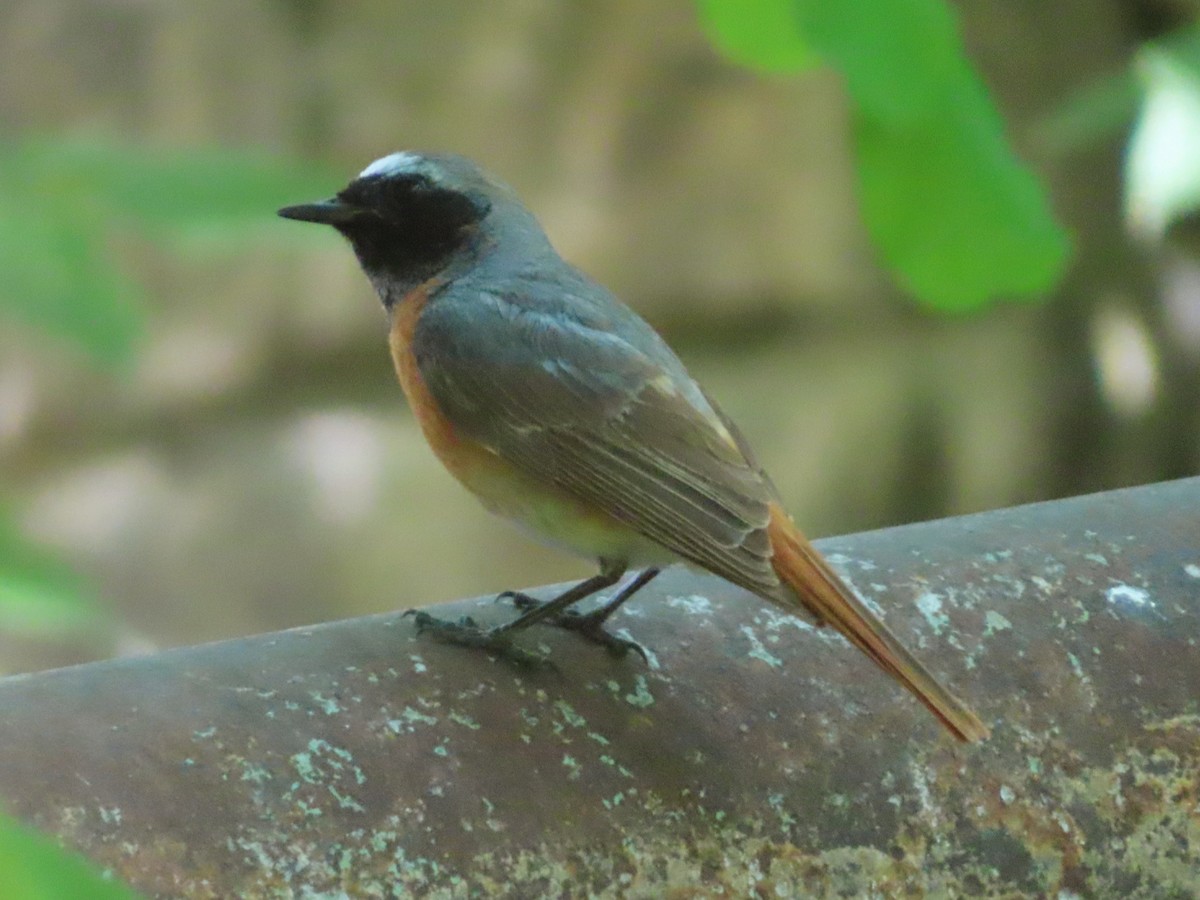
561,521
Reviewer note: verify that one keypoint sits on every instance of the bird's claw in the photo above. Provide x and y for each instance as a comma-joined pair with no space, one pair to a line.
519,599
588,625
467,633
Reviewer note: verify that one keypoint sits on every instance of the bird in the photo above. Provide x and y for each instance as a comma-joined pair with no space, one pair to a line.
561,409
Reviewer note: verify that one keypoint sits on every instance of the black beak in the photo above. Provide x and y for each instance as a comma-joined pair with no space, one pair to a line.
326,212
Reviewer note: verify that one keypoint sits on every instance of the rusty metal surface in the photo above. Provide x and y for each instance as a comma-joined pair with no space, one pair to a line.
757,757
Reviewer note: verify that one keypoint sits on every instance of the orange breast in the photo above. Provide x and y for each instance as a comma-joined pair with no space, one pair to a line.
458,455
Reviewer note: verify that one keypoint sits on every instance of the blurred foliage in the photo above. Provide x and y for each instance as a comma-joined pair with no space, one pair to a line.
1089,116
34,867
39,595
1106,106
61,203
1160,93
63,200
957,217
55,273
1162,169
761,34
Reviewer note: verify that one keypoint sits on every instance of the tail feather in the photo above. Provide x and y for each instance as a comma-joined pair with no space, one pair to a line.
824,594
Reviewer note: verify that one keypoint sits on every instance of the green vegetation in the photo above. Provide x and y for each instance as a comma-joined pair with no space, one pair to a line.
34,867
950,208
62,202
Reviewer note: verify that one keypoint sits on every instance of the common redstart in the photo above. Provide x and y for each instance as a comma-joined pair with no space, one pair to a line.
560,408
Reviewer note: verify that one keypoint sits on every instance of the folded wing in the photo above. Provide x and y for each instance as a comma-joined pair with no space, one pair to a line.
599,410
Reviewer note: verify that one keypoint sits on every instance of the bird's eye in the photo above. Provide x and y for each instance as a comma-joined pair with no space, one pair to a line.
401,190
418,184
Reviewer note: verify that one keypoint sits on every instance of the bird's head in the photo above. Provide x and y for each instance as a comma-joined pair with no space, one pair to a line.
408,216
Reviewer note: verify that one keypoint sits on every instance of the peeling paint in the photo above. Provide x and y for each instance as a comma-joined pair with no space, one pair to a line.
329,705
326,766
930,605
693,604
572,765
255,773
409,720
464,720
569,715
110,815
993,622
1124,593
758,651
775,621
640,696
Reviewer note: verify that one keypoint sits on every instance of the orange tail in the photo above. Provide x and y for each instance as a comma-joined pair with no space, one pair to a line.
818,587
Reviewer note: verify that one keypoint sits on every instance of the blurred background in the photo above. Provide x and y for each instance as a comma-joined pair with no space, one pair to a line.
200,432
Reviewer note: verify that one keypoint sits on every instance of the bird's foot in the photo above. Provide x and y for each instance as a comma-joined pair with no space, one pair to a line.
589,625
467,633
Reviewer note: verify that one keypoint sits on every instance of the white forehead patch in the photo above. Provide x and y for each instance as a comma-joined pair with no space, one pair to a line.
393,164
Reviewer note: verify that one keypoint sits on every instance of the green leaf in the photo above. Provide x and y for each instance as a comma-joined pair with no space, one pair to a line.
901,58
39,595
55,275
762,34
42,607
958,218
949,206
34,867
952,211
62,200
151,187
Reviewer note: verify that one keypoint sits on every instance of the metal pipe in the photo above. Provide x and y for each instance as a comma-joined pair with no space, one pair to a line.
754,756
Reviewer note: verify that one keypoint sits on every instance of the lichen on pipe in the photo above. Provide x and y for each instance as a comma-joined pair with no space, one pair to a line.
754,755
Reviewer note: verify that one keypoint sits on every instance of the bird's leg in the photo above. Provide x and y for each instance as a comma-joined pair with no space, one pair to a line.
537,610
467,633
590,625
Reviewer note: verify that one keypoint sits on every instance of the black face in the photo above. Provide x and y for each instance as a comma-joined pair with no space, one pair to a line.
405,225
